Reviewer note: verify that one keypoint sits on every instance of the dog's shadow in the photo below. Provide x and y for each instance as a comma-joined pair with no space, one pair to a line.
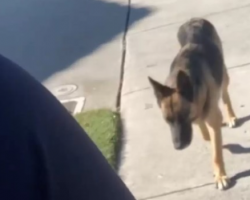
240,121
238,149
236,177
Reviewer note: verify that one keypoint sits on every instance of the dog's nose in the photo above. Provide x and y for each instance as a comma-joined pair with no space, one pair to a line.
179,146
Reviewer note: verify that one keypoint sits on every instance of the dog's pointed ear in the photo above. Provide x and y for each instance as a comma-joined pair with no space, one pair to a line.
159,89
184,86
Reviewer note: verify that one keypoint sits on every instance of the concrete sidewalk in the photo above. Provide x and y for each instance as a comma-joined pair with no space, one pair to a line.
73,47
151,167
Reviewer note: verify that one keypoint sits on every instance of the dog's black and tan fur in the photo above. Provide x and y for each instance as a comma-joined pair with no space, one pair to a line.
197,79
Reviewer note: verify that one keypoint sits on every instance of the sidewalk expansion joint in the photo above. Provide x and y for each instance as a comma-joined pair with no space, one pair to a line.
239,66
123,57
147,88
134,91
177,191
178,22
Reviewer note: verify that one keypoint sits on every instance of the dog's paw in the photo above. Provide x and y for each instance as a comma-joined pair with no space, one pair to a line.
222,182
232,122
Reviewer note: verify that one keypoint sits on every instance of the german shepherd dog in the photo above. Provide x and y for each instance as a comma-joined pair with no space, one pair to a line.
191,95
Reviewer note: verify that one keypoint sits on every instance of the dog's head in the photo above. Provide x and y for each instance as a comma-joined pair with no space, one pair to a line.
177,108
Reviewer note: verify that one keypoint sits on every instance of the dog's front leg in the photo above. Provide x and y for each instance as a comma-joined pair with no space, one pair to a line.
203,128
213,121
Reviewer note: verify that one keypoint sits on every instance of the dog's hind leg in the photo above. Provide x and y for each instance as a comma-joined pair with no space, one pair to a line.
213,122
231,118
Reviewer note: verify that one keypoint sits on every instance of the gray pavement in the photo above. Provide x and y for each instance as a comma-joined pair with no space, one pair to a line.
76,42
151,167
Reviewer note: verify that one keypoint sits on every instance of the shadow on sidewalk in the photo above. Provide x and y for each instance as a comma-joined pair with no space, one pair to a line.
241,175
243,120
238,176
48,36
240,121
236,149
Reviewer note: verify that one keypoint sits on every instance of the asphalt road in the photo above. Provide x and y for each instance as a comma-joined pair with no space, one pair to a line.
62,42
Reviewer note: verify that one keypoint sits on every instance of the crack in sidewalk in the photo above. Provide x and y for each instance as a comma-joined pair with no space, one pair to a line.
178,22
176,191
239,66
123,58
147,88
134,91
